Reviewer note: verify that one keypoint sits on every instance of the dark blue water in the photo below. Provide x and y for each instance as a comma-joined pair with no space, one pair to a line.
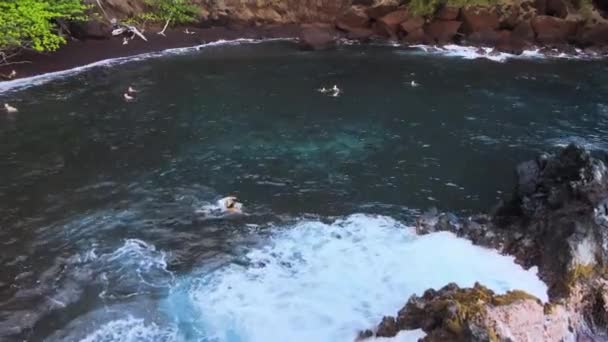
99,197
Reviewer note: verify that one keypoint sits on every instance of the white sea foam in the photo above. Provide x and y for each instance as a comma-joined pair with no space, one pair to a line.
471,52
27,82
131,329
590,142
325,282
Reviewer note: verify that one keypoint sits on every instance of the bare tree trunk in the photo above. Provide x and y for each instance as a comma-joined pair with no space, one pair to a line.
103,10
162,33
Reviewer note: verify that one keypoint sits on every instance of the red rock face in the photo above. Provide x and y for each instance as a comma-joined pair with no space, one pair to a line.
477,19
388,25
524,32
595,35
417,37
442,31
354,18
412,24
448,13
485,37
395,18
551,30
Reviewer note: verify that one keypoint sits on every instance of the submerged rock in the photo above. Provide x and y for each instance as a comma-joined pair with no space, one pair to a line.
317,38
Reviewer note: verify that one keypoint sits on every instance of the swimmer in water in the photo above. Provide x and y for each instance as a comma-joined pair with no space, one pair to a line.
231,204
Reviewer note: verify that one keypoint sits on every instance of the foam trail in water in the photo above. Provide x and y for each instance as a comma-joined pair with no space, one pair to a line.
27,82
472,52
325,282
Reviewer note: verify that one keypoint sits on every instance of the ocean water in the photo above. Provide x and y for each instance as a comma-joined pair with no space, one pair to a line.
104,205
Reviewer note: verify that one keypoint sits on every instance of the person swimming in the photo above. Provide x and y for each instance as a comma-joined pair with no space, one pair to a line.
231,204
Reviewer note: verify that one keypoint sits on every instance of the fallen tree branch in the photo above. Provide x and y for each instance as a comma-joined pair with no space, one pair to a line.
162,33
4,59
129,28
137,32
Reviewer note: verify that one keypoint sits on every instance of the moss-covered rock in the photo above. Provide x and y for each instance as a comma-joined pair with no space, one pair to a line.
452,313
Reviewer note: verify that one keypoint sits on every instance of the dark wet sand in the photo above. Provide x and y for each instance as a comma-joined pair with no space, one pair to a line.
78,53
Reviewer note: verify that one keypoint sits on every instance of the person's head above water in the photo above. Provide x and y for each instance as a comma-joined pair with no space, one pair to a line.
231,204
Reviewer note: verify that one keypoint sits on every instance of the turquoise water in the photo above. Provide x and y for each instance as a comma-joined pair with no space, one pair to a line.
100,199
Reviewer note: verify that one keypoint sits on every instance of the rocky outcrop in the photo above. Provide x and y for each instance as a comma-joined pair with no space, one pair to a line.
477,314
93,29
593,35
476,19
448,13
443,31
551,30
557,220
412,24
388,25
354,18
508,26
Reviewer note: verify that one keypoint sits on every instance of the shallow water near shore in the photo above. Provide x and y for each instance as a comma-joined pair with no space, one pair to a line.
103,239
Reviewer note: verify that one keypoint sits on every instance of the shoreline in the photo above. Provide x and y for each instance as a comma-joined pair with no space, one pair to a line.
82,54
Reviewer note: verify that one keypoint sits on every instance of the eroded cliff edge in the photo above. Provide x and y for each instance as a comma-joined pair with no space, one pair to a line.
556,220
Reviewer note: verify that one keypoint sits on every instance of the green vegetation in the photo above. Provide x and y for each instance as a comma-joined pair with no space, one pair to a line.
167,11
585,8
429,7
32,24
424,7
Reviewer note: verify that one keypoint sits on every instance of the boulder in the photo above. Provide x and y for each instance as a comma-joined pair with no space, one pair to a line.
380,11
540,6
412,24
556,8
92,29
388,25
595,35
485,37
443,31
317,38
466,314
551,30
509,15
354,18
479,18
523,33
447,13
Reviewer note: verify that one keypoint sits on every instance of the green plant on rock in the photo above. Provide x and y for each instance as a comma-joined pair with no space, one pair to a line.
466,3
168,11
32,24
429,7
424,7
